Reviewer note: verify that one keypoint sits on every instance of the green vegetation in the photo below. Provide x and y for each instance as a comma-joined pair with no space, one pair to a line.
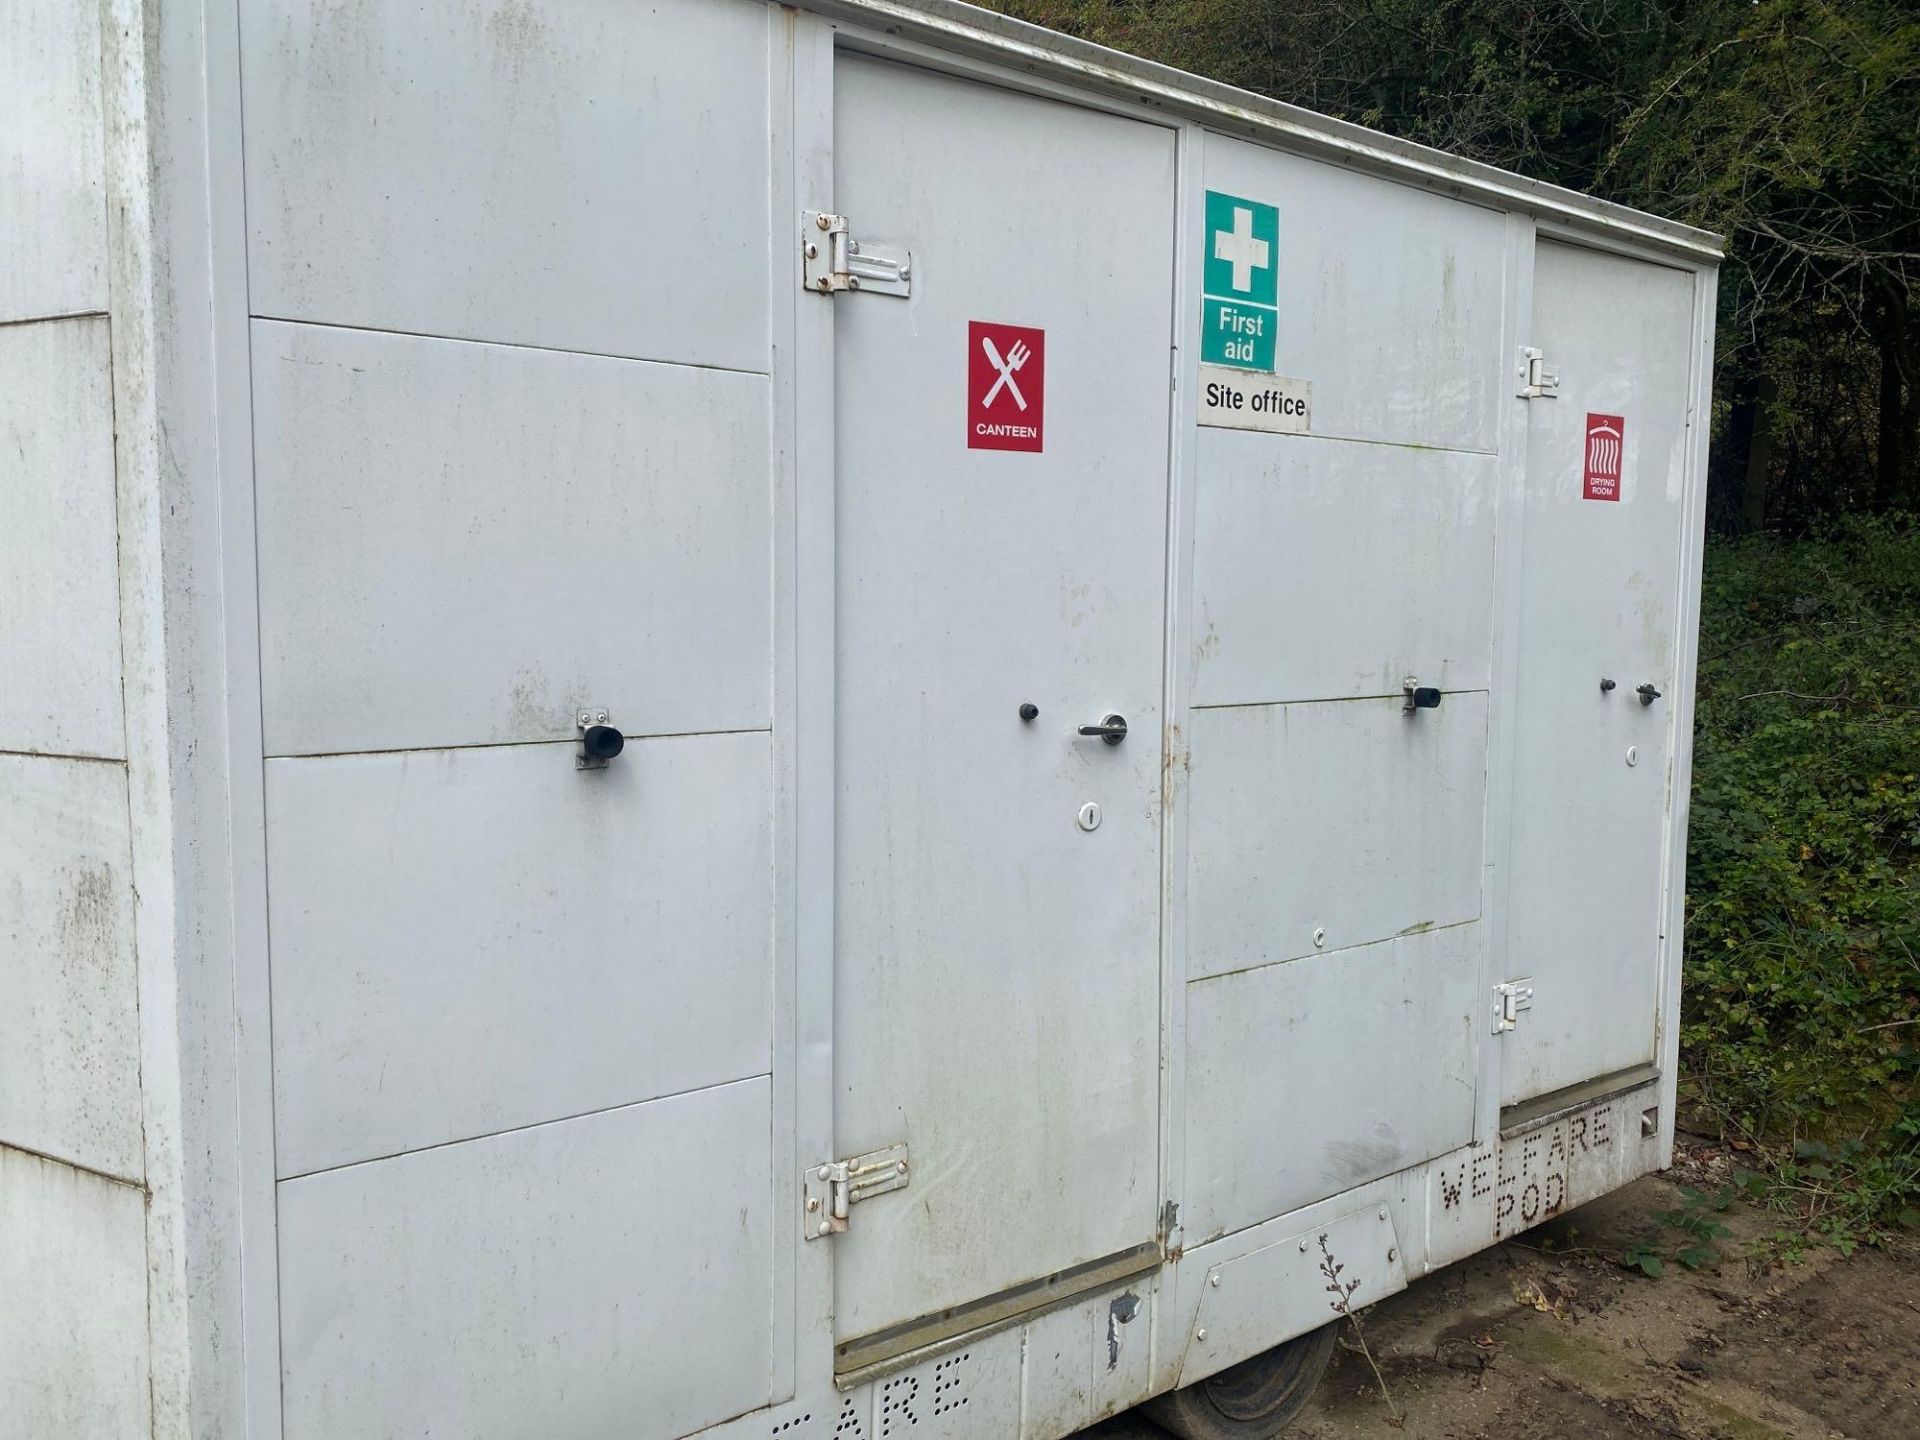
1688,1233
1802,1018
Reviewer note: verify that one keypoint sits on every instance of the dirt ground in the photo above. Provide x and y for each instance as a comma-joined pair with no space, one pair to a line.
1546,1338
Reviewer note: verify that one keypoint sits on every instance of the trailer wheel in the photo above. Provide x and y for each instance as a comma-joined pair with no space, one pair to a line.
1254,1400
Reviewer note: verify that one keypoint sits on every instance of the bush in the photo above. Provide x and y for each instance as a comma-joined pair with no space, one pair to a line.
1801,1028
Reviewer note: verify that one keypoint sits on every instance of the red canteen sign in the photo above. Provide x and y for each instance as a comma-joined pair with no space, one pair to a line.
1006,386
1605,450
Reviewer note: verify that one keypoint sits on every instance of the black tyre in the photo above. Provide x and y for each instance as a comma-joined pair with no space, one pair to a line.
1254,1400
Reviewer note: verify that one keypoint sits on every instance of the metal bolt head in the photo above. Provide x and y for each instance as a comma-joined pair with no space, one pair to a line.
826,1228
825,222
903,1167
1214,1279
1319,935
1200,1334
825,1172
1393,1253
853,282
1383,1212
1303,1247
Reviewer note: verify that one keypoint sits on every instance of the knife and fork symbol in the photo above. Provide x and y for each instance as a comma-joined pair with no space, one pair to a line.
1017,356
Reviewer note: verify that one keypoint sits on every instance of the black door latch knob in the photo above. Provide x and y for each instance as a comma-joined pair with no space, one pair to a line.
602,742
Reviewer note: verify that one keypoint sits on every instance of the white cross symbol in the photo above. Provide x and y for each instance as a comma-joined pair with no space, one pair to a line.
1240,250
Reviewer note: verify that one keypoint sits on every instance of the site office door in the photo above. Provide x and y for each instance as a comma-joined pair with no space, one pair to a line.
1000,531
1599,645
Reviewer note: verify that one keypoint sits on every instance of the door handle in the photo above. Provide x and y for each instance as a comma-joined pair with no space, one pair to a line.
1113,729
1647,694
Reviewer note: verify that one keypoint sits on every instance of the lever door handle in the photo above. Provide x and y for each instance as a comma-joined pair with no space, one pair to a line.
1113,729
1647,694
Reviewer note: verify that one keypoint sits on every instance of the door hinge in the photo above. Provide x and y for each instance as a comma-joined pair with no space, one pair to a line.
833,260
1508,1001
1536,381
832,1190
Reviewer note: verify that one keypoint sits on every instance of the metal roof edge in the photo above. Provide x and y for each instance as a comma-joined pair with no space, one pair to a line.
952,25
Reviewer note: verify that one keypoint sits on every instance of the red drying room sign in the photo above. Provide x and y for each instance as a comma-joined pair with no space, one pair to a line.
1606,447
1006,386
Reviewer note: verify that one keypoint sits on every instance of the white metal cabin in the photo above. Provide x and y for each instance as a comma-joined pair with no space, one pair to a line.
398,400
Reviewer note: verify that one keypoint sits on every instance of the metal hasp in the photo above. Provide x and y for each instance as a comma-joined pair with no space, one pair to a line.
835,261
1508,1001
599,741
830,1191
1419,697
1536,381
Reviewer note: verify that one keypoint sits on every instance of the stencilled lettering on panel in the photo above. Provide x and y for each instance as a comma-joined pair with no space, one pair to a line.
1534,1176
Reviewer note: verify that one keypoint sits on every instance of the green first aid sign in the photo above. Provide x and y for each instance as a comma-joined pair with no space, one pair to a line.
1239,314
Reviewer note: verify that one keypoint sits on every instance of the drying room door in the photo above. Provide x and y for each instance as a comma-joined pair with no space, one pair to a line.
1606,482
1001,503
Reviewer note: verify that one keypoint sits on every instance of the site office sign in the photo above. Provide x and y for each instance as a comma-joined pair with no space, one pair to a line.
1006,386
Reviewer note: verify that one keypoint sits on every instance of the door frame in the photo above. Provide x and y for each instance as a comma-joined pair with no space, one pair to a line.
804,467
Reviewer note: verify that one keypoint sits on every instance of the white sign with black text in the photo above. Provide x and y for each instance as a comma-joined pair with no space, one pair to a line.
1233,399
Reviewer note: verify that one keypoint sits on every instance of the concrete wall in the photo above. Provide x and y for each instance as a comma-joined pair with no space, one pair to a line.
73,1256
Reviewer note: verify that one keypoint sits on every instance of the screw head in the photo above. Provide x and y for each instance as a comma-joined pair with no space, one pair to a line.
1383,1212
1392,1253
825,1172
1200,1334
823,221
1214,1279
1319,935
813,251
813,1203
903,1167
1303,1247
826,1228
853,282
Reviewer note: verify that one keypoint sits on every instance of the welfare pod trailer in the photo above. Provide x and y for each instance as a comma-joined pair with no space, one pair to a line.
816,723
